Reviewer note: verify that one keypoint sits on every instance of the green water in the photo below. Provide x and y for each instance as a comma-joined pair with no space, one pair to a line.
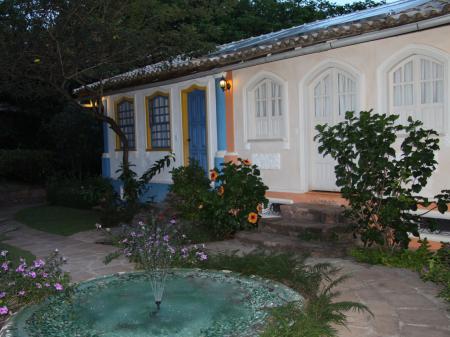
195,304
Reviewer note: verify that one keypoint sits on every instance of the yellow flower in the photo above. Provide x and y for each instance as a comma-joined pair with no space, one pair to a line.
252,217
259,208
220,190
213,175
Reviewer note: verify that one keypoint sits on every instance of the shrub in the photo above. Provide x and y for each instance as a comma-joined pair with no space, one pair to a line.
233,204
381,182
28,166
190,186
84,194
29,282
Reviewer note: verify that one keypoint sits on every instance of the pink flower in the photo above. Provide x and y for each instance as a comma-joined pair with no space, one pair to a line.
32,274
58,287
4,310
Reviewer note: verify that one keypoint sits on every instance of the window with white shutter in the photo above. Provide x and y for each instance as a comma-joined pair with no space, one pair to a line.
266,110
416,89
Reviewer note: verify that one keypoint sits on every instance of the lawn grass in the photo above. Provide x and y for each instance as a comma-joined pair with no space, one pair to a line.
15,253
58,220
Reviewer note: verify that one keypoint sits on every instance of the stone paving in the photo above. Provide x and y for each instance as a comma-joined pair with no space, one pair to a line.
402,304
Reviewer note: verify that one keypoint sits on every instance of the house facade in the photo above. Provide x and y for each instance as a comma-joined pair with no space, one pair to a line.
392,59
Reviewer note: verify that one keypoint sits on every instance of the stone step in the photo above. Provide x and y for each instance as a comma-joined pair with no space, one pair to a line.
329,214
285,243
305,229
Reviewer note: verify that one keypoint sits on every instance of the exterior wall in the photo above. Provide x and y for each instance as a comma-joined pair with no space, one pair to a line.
143,159
363,59
290,157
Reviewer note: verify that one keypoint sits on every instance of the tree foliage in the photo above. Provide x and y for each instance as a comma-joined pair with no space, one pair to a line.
382,174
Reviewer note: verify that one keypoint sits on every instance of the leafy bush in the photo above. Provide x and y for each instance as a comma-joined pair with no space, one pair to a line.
381,182
29,282
84,194
432,266
232,204
190,186
28,166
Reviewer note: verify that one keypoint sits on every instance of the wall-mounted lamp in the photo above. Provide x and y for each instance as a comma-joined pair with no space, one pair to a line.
224,84
88,103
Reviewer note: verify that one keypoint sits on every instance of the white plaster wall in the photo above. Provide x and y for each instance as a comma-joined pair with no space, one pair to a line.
293,176
363,58
143,159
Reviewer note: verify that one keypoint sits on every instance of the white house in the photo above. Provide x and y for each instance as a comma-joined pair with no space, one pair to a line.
393,58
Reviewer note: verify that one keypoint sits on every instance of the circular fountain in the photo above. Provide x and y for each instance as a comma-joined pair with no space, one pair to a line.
196,304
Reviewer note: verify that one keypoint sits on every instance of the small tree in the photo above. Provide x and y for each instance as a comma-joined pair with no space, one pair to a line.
381,177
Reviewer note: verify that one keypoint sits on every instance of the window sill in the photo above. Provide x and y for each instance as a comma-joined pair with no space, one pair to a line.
158,150
258,140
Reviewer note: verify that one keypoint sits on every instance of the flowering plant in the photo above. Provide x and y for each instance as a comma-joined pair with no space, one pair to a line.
156,246
30,282
236,201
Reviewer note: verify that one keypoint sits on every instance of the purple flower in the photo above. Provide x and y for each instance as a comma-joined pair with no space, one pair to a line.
39,263
2,294
166,238
4,310
21,268
5,266
44,275
38,285
201,256
32,274
58,286
4,253
173,221
21,293
47,285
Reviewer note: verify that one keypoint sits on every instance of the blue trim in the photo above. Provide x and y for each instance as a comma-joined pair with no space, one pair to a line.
221,118
154,191
105,138
106,167
218,161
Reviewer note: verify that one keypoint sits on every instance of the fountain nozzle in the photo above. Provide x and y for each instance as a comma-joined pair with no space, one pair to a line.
158,305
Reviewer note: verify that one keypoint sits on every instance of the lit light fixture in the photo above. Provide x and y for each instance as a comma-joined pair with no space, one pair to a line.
88,103
224,84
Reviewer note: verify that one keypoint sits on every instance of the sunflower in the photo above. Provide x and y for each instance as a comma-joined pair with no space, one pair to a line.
252,217
259,208
220,190
246,162
213,175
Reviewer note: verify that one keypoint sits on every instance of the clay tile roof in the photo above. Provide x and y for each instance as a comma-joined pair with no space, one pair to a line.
360,22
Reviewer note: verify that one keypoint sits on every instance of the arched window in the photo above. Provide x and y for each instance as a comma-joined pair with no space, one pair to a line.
158,122
266,115
125,119
416,89
331,93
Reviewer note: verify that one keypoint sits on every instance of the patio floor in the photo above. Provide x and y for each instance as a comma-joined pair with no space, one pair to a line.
403,305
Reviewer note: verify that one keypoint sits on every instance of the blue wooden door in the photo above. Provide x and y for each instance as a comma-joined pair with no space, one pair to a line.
197,127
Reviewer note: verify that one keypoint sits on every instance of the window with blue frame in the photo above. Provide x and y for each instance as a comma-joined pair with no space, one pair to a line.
125,119
158,122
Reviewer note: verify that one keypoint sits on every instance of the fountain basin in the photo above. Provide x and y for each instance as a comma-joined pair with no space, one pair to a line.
196,303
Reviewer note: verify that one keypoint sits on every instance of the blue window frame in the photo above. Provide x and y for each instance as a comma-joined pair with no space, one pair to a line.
158,122
125,119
